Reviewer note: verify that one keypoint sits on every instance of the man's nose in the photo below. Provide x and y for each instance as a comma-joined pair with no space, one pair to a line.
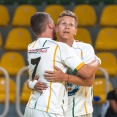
67,26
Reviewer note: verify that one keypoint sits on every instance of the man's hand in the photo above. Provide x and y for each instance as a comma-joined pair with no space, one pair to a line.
54,76
39,86
35,78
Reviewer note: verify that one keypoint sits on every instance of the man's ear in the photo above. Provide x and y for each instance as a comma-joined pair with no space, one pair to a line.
50,25
35,34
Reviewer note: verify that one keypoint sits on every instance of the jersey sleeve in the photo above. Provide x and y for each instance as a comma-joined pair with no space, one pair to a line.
70,59
88,53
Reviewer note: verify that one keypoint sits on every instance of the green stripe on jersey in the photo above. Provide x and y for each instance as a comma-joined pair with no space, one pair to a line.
35,104
75,71
44,43
73,107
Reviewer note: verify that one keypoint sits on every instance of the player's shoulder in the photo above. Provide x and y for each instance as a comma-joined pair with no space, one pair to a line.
63,45
82,44
31,44
52,42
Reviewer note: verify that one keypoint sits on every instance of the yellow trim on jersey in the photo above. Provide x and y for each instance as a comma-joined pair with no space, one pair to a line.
34,44
92,91
32,92
54,63
79,66
81,54
29,101
49,97
85,107
85,92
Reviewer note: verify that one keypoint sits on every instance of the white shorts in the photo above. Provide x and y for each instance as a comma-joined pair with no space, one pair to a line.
29,112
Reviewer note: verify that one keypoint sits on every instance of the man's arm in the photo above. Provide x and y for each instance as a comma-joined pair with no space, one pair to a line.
88,70
86,79
59,76
91,62
84,68
36,85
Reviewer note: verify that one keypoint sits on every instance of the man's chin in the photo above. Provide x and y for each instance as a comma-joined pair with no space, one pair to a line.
65,37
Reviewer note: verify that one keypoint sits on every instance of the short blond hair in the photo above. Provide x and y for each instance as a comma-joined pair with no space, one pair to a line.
68,13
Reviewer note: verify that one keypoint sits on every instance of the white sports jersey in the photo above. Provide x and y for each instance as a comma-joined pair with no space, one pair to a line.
43,54
80,97
29,112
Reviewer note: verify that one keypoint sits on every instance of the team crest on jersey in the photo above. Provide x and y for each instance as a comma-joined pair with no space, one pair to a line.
72,89
41,50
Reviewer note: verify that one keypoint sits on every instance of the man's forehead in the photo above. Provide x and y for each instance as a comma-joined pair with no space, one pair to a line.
67,17
67,20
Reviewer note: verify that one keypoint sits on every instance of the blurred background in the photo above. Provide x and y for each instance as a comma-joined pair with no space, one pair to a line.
97,20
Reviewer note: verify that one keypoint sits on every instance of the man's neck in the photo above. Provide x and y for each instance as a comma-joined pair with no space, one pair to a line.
67,41
45,35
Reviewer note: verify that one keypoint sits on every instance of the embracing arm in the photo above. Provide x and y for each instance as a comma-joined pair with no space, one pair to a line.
77,80
88,70
59,76
28,84
36,85
87,73
85,77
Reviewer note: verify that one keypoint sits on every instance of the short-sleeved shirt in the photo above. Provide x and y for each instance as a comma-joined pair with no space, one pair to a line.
43,54
80,97
111,96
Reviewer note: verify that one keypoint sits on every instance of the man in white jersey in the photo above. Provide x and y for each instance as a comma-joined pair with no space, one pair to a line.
43,54
80,97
